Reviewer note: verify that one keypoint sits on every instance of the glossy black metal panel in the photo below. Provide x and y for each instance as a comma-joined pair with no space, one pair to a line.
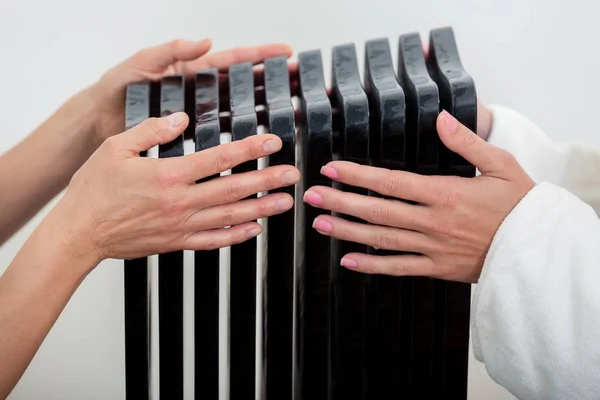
206,263
387,148
349,288
170,267
457,92
452,306
279,279
243,256
423,144
136,283
314,253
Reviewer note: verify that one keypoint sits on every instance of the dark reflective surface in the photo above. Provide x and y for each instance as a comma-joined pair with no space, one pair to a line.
453,300
349,288
243,255
315,127
136,295
206,263
388,149
170,267
327,332
279,279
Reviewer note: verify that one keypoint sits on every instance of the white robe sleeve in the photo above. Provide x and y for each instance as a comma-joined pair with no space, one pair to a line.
536,309
570,165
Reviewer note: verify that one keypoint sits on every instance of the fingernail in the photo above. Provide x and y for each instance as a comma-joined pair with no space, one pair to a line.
176,119
289,177
329,172
322,225
450,123
284,204
313,198
271,145
348,263
253,232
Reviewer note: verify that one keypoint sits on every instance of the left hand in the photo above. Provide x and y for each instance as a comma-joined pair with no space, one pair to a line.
453,224
179,57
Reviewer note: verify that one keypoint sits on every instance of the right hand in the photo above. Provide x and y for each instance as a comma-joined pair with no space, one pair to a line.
120,205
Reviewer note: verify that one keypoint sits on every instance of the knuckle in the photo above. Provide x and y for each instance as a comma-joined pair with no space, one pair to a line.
265,209
226,218
253,150
449,199
400,269
385,239
379,215
156,125
223,160
506,159
142,54
211,244
166,178
390,184
445,228
178,44
232,192
469,137
111,145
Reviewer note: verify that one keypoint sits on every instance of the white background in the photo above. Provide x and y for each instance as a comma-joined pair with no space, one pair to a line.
538,56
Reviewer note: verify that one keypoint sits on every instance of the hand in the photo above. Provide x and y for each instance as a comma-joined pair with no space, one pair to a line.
173,58
451,227
120,205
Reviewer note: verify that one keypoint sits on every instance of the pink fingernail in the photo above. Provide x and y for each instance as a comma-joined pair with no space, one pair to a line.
329,172
450,123
322,225
313,198
348,263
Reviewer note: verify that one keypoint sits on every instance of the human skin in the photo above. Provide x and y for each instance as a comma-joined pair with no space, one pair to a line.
450,227
118,204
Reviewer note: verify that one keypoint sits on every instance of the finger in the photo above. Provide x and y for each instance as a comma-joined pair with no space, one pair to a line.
161,56
224,59
393,213
152,132
401,265
215,160
461,140
240,212
398,184
379,237
235,187
219,238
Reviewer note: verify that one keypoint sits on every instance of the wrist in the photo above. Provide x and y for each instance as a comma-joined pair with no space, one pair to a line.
89,107
72,237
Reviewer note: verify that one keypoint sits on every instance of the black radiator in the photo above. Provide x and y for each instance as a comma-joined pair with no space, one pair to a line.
328,332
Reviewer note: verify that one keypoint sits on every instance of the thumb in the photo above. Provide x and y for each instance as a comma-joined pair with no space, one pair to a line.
152,132
487,158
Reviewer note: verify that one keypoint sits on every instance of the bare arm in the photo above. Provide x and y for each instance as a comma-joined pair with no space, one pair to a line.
33,291
41,166
38,168
160,208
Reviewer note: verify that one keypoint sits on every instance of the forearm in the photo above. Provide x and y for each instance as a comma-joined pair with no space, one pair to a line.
33,292
38,168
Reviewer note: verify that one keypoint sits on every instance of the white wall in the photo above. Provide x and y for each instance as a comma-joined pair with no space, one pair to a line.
537,56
